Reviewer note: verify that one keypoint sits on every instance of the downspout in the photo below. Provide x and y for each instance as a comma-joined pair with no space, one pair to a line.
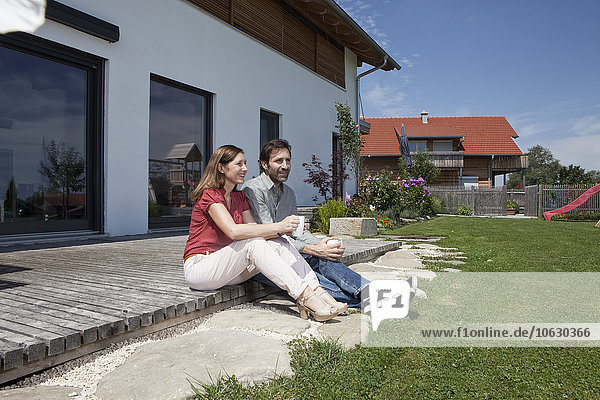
490,172
385,60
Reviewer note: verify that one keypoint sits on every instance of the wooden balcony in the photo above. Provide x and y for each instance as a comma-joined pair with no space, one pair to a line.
447,159
510,163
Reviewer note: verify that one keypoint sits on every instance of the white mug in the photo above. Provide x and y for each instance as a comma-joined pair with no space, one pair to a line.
300,228
335,242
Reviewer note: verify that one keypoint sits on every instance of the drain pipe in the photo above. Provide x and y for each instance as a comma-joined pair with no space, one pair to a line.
385,60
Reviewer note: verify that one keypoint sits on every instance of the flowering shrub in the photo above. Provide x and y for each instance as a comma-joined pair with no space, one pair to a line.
386,222
386,193
580,216
380,191
358,207
414,195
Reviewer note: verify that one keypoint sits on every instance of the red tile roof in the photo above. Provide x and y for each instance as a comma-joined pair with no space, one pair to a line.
482,135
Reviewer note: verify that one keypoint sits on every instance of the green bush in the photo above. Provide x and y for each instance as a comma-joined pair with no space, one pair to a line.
578,216
358,207
386,193
380,191
414,195
437,205
512,204
409,214
464,210
332,208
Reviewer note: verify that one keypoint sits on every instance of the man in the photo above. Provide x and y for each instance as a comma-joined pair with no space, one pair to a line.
271,200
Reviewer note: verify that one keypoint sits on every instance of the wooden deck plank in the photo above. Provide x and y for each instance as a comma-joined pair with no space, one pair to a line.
73,337
10,357
167,292
33,349
88,327
133,321
55,343
115,325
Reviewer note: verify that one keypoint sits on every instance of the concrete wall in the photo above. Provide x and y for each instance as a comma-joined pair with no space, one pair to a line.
178,41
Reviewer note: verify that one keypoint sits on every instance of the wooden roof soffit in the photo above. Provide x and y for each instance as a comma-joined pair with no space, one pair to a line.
334,22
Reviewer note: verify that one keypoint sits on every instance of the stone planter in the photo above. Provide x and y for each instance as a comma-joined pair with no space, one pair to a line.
511,211
353,226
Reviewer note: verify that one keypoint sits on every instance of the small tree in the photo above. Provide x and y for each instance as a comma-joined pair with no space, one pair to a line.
323,180
65,171
350,140
423,167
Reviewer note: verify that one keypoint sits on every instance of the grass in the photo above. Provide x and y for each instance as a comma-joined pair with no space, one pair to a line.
324,370
510,245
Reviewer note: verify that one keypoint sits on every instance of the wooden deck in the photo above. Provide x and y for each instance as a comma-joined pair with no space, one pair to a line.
66,300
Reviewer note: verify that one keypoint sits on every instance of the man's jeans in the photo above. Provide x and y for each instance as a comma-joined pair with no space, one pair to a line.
338,280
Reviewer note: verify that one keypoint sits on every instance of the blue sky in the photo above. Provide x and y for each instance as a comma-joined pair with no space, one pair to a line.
536,62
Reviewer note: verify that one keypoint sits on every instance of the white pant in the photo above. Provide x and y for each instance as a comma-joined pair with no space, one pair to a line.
277,259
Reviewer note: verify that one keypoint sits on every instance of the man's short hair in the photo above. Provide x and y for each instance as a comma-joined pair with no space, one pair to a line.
269,147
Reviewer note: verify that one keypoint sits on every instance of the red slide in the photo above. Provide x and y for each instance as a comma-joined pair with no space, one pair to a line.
574,204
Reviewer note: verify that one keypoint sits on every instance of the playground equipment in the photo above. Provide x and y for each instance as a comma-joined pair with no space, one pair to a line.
574,204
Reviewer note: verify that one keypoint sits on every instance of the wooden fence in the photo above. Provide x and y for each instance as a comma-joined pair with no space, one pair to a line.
542,198
482,201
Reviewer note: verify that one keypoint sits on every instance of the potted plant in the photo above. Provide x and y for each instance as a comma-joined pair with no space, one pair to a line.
512,207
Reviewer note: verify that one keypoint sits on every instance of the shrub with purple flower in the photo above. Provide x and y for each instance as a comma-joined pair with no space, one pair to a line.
414,195
387,192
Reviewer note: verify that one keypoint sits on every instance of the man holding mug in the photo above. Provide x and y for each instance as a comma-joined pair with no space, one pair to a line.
271,200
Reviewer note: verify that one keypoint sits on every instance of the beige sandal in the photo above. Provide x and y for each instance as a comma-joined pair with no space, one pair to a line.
326,297
321,315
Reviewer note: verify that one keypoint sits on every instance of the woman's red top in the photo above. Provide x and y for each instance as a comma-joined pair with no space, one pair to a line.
205,235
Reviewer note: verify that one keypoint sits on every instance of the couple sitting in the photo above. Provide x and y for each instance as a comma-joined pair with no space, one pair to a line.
226,246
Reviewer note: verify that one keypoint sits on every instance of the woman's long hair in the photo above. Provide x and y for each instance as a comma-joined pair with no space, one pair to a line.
212,178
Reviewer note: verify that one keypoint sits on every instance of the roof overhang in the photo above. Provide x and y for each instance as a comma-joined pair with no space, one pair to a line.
334,21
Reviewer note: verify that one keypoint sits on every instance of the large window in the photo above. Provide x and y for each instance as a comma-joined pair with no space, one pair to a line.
179,149
269,127
49,137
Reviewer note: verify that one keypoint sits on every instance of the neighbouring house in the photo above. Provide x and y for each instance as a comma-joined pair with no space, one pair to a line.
470,151
111,109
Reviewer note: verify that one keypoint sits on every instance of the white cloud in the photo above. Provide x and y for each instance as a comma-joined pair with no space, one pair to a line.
360,11
570,138
386,101
588,125
583,150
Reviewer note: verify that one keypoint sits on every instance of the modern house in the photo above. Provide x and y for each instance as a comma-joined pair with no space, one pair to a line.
470,151
111,109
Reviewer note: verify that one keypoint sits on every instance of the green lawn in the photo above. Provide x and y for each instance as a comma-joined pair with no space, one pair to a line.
524,245
323,370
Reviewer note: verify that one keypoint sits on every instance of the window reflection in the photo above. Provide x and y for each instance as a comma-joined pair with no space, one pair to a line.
42,139
178,149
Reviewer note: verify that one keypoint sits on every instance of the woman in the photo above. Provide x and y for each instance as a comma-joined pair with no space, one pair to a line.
226,247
